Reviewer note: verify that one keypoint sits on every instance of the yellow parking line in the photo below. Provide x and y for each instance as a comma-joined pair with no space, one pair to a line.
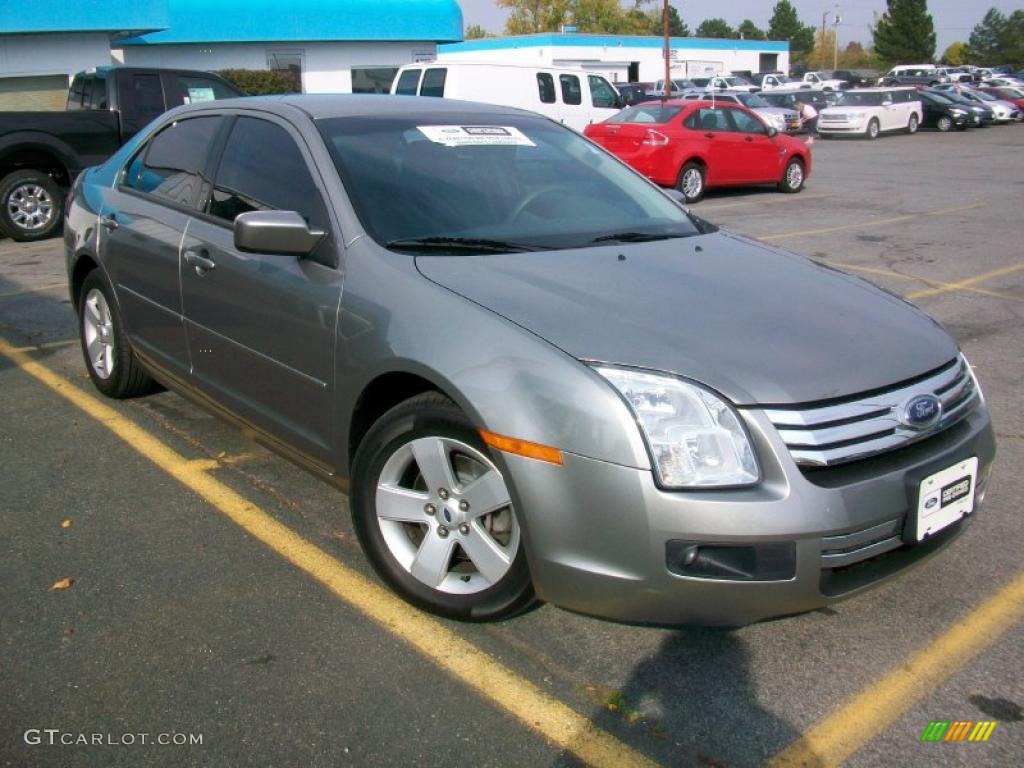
835,738
558,723
925,280
26,291
47,345
966,283
868,223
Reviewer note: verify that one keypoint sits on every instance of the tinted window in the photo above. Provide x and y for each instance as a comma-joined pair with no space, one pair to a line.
372,79
646,113
746,123
408,82
75,94
95,95
195,89
707,119
546,87
601,93
141,99
571,93
262,169
433,82
170,166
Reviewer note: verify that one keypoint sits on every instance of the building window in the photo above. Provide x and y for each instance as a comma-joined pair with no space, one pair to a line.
372,79
289,62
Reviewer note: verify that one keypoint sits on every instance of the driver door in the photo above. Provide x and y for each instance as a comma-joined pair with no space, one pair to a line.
756,154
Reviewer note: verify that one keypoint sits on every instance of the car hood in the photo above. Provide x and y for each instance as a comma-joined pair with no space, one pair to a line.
756,323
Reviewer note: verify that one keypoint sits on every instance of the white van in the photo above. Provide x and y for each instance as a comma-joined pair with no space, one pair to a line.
571,96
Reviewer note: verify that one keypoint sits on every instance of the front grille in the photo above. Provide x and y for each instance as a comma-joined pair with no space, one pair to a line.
822,436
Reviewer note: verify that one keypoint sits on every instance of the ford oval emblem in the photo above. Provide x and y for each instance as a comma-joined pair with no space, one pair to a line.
921,412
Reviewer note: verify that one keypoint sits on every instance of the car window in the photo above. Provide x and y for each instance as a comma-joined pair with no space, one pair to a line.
744,122
433,82
77,89
571,90
195,88
546,87
95,94
646,113
408,82
708,119
170,165
601,93
141,98
262,169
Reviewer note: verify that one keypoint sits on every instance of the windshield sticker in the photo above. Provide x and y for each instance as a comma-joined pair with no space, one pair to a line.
199,94
475,135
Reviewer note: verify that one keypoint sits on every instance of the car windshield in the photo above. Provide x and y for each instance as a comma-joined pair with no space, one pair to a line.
780,99
480,182
682,85
646,113
859,99
983,96
752,100
732,82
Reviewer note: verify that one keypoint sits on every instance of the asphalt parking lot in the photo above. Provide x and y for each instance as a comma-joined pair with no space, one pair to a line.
216,590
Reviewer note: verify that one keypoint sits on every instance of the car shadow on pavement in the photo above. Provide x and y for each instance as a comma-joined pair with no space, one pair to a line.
694,702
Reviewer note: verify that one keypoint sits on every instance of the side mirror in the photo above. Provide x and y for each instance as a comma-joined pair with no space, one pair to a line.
772,131
677,197
283,232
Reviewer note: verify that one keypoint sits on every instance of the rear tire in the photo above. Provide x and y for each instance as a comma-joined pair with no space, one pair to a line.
793,177
31,206
464,557
912,125
691,182
109,359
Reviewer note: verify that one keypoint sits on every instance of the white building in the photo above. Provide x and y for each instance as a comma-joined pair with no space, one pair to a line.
625,58
330,46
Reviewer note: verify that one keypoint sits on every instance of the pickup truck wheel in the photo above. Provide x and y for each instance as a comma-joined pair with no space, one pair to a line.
112,366
434,514
691,182
793,176
31,206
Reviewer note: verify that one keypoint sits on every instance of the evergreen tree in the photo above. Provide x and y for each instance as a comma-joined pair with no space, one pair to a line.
786,25
716,28
748,30
999,39
905,33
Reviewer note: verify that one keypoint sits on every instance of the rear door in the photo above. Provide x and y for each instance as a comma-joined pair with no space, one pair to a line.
261,327
143,221
719,142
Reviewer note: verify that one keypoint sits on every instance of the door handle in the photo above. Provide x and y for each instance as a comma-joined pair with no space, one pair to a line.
709,135
109,222
199,259
748,138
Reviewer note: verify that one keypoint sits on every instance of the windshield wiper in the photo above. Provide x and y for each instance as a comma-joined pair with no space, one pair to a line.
474,244
640,237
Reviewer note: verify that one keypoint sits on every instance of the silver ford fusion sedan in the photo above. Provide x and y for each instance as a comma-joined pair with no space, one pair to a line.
536,375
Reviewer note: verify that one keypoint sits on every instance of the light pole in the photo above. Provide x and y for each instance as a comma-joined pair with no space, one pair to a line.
835,50
824,18
667,90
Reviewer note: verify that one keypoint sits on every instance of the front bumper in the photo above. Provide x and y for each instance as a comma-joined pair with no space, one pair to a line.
602,539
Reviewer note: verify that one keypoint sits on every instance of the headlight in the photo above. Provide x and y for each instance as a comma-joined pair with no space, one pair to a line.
695,438
957,112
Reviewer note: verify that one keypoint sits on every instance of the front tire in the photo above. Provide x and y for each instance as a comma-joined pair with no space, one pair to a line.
31,206
109,359
793,177
873,129
434,514
945,124
692,180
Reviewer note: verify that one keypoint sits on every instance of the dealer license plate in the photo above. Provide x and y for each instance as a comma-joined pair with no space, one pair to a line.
946,496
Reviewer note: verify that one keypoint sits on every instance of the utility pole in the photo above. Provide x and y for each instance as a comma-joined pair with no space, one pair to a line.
835,50
821,59
667,90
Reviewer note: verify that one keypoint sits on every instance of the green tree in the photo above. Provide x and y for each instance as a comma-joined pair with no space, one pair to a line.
676,26
905,33
999,39
474,32
748,30
786,25
716,28
956,54
531,16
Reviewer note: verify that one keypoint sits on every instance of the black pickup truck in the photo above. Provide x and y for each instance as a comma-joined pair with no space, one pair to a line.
42,152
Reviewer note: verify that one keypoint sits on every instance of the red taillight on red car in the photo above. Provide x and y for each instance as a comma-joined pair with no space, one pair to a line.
655,139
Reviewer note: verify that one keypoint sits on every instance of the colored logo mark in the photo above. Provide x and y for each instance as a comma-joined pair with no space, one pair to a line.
958,730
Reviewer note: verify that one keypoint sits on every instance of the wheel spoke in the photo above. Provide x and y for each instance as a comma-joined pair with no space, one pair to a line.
433,559
486,494
93,312
401,504
489,557
435,464
94,347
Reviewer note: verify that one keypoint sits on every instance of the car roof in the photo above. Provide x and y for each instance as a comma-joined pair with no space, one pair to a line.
322,106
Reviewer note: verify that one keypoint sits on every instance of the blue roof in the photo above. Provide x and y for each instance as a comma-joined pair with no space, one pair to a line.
246,21
613,41
45,16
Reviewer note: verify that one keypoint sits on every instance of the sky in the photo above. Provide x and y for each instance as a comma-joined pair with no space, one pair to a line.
954,19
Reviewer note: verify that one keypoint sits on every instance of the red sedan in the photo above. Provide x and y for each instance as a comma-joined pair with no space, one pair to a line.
692,145
1006,93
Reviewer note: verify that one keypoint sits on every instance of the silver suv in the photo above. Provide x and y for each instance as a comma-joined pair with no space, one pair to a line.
535,373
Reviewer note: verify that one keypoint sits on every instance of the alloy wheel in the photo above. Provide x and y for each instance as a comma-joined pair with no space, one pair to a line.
99,334
30,207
